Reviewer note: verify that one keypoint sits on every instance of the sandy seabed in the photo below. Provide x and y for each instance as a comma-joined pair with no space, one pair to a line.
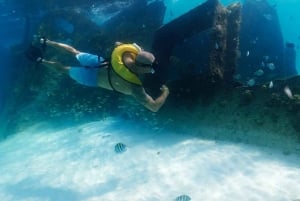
79,164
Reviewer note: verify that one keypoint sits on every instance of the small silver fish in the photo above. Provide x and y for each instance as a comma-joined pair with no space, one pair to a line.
216,46
271,85
271,66
266,58
259,72
120,148
251,82
247,53
183,198
288,92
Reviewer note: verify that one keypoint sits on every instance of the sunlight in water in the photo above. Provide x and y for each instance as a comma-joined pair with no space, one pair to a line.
80,164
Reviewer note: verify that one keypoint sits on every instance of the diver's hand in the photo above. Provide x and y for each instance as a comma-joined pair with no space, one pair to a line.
165,89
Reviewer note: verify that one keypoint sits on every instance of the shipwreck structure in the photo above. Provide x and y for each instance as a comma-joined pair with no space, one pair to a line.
204,42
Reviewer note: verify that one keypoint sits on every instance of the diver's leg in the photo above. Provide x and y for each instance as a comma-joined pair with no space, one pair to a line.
60,46
56,65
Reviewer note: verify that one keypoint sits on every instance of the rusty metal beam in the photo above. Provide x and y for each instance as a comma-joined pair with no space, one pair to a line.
233,40
225,42
218,44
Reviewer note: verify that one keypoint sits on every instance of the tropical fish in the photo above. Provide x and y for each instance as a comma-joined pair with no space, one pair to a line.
271,66
183,198
266,58
216,46
120,148
288,92
271,85
259,72
254,41
247,53
251,82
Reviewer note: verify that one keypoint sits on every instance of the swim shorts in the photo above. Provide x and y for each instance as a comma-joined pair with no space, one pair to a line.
87,73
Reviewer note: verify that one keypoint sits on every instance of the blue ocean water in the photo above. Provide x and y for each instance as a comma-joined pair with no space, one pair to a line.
80,163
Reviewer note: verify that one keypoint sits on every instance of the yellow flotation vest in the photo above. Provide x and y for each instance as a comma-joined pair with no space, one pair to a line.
118,65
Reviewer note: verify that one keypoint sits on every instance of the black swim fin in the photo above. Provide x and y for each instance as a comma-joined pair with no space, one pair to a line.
43,43
34,54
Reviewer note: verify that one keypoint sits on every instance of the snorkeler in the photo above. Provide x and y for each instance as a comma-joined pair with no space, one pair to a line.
121,73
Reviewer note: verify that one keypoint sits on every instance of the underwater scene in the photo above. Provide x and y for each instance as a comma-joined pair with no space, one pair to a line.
150,100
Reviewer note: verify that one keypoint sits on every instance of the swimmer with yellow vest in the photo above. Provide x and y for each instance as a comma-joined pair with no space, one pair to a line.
122,73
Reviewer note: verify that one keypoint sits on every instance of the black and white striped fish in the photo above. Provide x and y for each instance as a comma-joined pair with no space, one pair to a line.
120,148
183,198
